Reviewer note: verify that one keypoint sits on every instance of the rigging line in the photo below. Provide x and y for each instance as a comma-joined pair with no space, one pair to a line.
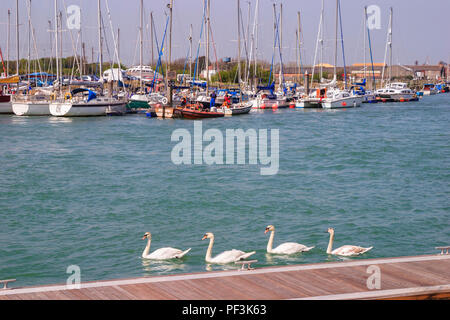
116,53
155,34
319,36
273,53
215,53
281,57
107,48
199,40
160,53
34,39
371,57
342,44
245,38
71,38
185,63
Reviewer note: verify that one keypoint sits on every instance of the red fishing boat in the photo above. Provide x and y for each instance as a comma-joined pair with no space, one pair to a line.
196,111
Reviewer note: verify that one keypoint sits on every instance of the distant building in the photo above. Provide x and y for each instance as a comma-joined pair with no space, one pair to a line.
210,73
356,71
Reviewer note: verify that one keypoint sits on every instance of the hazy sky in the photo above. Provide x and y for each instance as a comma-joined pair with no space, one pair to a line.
420,30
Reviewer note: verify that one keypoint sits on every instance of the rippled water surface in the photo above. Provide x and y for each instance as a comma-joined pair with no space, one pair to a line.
83,191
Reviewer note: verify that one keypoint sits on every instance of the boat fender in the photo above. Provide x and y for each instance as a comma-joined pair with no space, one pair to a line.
53,96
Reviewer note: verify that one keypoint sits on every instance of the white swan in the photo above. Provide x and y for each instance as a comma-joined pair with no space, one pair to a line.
162,253
344,250
284,248
226,256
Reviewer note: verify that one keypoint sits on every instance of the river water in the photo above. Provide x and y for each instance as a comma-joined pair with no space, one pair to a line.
83,191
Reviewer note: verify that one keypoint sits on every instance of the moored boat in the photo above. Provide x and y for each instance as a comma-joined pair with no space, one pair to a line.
236,109
87,105
396,92
429,89
342,99
31,105
197,112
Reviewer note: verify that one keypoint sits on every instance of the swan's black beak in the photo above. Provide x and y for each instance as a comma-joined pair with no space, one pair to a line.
267,230
204,237
144,237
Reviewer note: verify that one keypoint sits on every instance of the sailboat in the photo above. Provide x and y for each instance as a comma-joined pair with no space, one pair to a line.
36,104
313,99
266,97
337,98
140,100
395,91
84,102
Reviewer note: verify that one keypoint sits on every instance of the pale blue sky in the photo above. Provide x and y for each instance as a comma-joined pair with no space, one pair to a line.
420,27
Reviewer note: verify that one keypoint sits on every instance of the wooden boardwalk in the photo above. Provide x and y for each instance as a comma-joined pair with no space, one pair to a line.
419,277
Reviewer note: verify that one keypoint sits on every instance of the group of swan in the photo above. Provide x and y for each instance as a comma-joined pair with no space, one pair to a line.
237,255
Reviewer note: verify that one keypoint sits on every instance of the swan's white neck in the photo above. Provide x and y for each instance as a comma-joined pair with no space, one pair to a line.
330,243
209,251
270,243
147,248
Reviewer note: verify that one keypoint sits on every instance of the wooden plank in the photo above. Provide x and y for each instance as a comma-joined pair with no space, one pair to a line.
400,277
125,294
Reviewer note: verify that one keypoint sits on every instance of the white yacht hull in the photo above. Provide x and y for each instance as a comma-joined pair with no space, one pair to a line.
69,109
348,102
31,108
400,97
308,103
6,108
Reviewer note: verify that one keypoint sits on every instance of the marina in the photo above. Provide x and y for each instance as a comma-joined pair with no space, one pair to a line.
122,150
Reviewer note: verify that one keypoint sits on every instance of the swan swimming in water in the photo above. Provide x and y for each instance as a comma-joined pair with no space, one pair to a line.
162,253
226,256
284,248
346,250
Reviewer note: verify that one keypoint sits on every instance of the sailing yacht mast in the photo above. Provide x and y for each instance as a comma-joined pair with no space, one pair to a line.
298,46
336,42
207,45
17,39
151,36
56,43
190,51
169,89
247,44
281,44
140,44
321,42
390,46
60,47
29,41
256,44
100,39
239,47
364,34
8,42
